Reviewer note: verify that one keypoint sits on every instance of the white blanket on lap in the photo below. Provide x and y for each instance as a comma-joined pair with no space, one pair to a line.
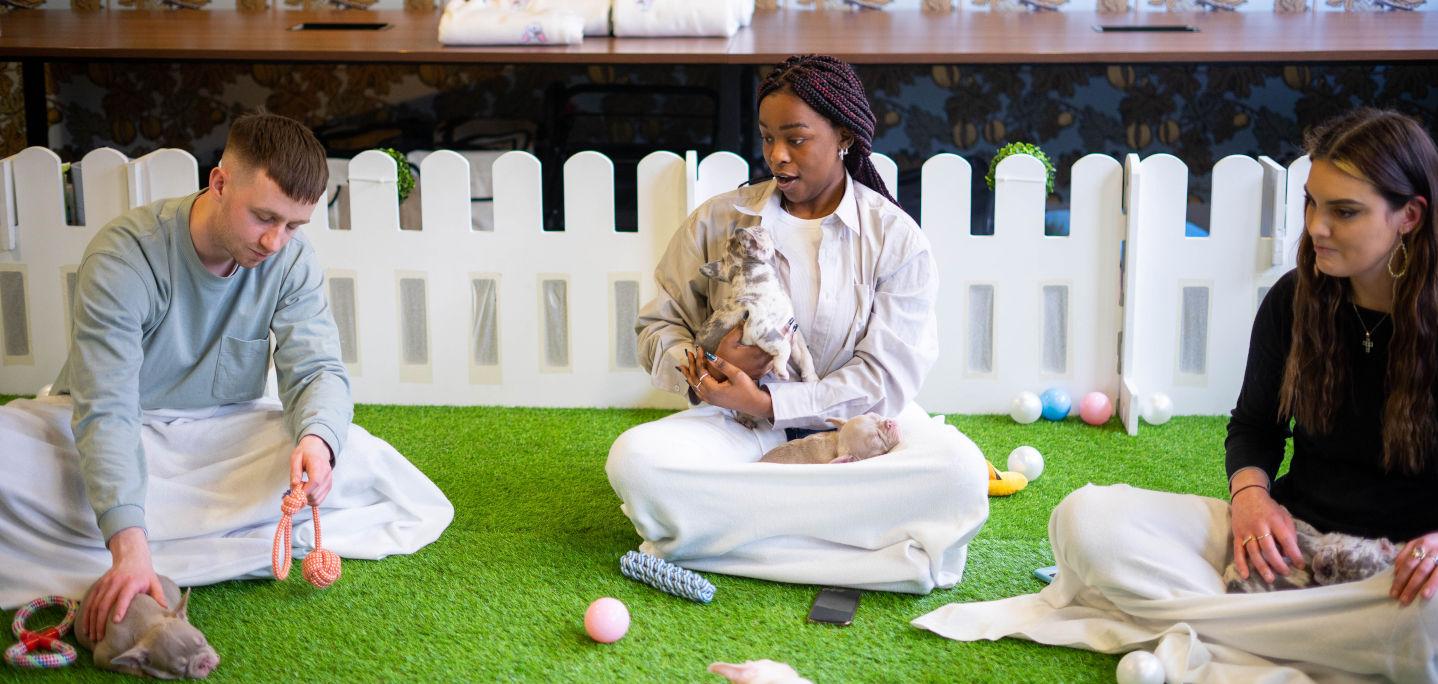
215,482
1148,578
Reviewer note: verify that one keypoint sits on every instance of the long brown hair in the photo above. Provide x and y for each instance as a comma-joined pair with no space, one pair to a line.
1395,154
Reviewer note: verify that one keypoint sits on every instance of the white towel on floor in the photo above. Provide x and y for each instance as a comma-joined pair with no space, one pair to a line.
1139,569
679,18
479,23
215,481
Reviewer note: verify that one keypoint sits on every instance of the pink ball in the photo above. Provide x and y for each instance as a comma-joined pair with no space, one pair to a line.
607,620
1095,408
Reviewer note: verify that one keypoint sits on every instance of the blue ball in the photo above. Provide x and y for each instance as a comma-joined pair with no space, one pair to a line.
1056,403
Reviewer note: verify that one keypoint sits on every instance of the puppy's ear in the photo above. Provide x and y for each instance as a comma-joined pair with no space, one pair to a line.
137,657
182,611
712,269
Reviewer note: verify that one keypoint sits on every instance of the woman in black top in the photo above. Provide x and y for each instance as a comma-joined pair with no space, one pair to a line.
1345,350
1344,358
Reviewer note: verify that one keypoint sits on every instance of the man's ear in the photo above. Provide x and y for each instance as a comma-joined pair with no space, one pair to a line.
219,178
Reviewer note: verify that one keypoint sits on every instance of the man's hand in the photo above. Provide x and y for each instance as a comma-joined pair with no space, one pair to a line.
312,458
130,574
754,361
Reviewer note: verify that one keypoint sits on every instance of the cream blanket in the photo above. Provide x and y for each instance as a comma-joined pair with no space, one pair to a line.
1140,569
680,18
215,481
476,22
691,484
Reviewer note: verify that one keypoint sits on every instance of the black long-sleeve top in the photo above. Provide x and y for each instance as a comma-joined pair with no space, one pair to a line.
1335,482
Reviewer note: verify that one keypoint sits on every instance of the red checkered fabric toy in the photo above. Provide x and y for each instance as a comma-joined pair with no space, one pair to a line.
42,649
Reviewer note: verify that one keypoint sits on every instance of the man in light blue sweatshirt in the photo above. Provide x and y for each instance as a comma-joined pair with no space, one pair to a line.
175,303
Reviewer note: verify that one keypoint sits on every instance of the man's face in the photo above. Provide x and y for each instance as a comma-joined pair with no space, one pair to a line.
256,217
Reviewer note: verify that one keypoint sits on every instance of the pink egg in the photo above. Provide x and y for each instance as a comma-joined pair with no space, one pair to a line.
1095,408
607,620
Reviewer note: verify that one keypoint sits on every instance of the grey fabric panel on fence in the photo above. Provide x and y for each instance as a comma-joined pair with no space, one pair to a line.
1193,336
1056,328
556,323
981,328
13,313
342,306
626,312
484,334
414,346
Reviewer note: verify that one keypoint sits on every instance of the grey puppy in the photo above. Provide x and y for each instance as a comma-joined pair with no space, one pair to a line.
757,300
856,439
152,641
1331,558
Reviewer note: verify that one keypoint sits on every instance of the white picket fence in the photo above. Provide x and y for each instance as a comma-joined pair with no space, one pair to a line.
518,316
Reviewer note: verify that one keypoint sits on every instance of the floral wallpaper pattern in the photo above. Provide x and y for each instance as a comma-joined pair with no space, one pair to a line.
1199,113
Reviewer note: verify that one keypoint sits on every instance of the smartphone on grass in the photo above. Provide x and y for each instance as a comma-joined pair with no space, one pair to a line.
835,606
1046,575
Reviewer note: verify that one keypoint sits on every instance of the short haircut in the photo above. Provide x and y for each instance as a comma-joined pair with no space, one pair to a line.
285,149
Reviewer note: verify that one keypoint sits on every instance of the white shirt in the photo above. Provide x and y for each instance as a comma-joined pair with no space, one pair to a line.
874,334
798,240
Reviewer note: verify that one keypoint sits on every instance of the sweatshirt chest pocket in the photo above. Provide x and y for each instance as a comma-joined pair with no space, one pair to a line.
241,369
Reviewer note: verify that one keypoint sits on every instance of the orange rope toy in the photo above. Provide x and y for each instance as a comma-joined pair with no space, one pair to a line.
322,566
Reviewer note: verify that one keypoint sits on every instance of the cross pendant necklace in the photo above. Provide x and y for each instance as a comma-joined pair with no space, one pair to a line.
1367,332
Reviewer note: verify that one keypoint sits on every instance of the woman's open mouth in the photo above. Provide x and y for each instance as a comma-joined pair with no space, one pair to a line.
785,181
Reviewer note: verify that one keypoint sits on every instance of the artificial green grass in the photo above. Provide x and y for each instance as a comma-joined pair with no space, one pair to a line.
538,533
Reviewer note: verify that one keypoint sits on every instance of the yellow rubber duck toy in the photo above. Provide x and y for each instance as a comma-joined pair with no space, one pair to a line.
1006,482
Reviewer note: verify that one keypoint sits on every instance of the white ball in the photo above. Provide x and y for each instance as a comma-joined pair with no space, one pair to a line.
1026,408
1139,667
1158,409
1027,461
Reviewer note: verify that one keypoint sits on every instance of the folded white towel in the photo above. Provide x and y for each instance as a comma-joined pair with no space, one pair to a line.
695,18
480,23
594,12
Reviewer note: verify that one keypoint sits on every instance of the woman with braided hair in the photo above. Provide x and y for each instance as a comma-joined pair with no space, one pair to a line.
863,284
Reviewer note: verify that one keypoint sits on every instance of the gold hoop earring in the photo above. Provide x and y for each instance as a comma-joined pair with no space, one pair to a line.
1403,271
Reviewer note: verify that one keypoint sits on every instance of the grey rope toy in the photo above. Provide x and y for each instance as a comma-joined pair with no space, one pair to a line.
666,577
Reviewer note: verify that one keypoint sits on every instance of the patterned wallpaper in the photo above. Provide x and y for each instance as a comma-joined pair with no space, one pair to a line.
1199,113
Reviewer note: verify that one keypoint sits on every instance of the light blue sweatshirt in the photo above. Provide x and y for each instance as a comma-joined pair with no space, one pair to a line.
154,329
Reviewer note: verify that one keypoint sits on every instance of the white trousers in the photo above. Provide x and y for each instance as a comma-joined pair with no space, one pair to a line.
692,487
213,499
1141,569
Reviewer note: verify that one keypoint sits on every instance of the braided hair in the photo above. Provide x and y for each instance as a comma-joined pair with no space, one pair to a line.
830,87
